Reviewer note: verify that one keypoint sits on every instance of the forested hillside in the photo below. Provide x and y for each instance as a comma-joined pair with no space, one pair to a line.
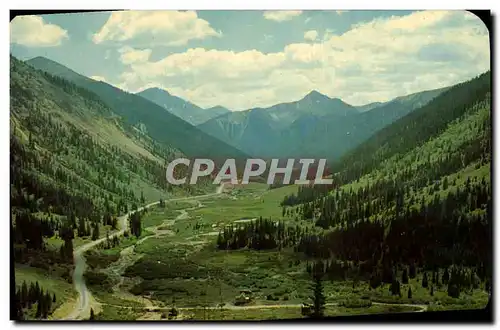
75,166
417,195
415,128
160,124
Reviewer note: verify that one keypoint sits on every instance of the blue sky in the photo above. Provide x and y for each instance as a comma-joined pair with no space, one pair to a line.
246,59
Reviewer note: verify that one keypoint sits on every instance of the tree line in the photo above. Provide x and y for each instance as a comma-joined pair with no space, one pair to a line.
28,296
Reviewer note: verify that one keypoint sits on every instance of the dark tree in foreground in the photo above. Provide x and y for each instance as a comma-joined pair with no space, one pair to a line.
395,288
409,293
92,316
318,299
135,224
404,278
413,272
453,290
425,281
446,277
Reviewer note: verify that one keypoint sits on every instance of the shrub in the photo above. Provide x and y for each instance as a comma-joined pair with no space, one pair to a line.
173,312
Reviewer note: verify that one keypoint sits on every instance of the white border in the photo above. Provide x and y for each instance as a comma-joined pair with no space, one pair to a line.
192,4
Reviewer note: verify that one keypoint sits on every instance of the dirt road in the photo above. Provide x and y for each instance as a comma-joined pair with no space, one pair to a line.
82,308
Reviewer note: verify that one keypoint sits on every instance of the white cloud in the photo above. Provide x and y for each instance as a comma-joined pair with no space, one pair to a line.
129,55
283,15
98,78
32,31
311,35
171,28
373,61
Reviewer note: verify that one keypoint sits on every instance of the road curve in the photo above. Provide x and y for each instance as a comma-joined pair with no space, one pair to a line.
82,308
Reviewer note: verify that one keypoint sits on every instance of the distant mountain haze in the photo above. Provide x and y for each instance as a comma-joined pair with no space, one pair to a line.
332,136
369,106
181,108
316,126
314,103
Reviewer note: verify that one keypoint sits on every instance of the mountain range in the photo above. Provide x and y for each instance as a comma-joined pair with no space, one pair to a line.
183,109
315,126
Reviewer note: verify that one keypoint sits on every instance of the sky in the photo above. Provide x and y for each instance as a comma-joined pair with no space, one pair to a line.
248,59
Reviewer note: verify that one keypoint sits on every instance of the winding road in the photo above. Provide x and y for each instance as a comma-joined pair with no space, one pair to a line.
82,308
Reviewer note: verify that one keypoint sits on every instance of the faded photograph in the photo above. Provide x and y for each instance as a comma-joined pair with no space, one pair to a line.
249,165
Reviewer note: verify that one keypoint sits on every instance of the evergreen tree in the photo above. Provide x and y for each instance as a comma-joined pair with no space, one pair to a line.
446,276
18,312
487,286
425,281
38,309
453,290
404,278
81,227
395,288
475,280
375,280
409,293
413,272
318,298
95,232
92,316
24,294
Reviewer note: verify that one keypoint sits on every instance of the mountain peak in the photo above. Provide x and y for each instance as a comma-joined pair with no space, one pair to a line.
40,59
316,96
56,69
154,90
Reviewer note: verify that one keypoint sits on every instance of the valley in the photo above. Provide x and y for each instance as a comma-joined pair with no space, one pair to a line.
99,233
178,270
